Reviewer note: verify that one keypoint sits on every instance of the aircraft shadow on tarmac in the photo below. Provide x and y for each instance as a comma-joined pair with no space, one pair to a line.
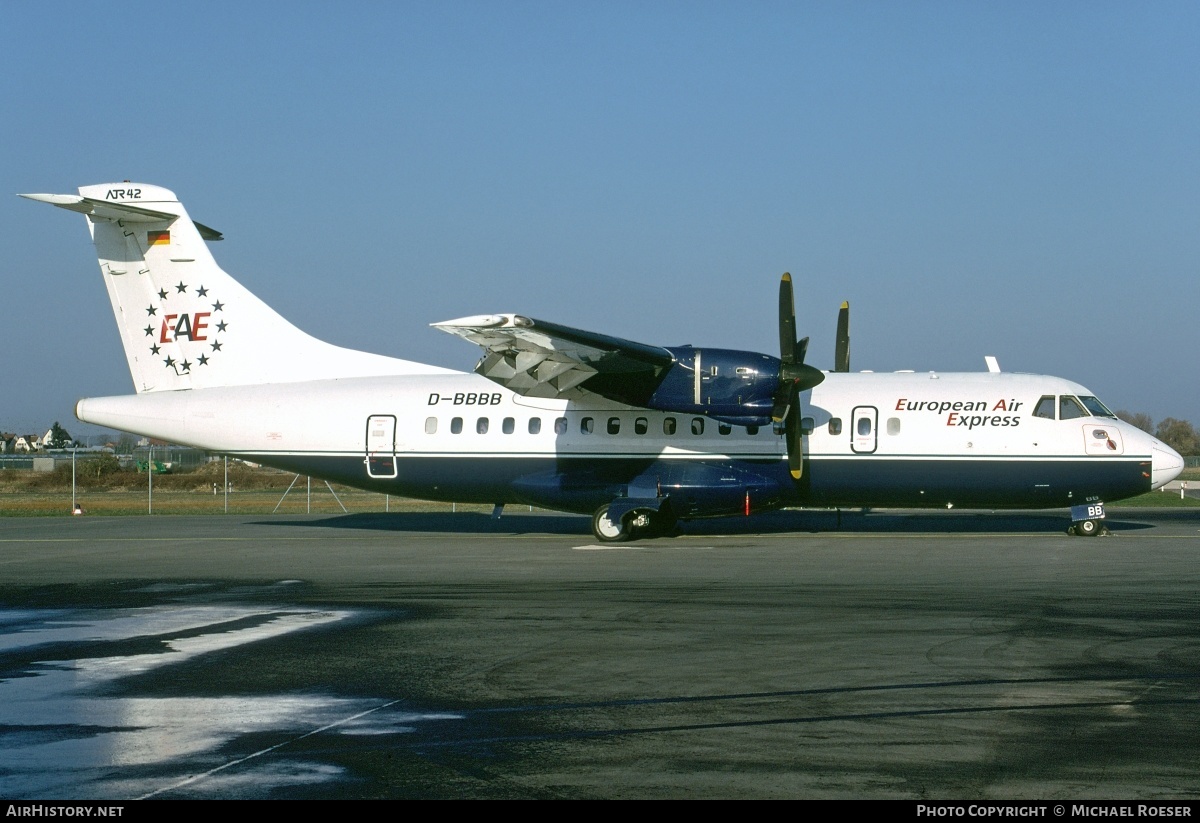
811,522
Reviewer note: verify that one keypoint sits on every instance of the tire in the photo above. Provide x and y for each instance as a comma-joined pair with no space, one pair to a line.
1087,528
605,530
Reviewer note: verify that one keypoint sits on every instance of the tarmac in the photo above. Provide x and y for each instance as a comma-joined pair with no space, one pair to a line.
945,655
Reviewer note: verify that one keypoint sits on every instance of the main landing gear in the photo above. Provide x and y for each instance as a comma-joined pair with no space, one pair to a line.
634,525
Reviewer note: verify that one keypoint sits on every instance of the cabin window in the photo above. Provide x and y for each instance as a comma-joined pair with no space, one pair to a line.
697,425
456,426
509,425
641,426
614,425
481,425
893,425
724,428
864,425
1045,407
587,425
835,425
560,425
752,430
431,425
535,425
669,425
1069,408
806,425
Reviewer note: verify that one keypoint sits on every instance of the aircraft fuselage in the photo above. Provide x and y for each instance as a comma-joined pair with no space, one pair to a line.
903,439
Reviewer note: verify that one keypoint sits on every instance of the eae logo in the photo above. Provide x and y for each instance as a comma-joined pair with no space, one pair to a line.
171,327
190,326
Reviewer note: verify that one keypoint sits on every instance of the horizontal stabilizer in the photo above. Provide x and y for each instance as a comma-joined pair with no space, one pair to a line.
106,210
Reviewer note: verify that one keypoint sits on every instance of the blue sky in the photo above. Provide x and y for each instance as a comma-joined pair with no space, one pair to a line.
1016,179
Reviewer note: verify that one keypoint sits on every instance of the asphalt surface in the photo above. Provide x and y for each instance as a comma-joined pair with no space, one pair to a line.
926,656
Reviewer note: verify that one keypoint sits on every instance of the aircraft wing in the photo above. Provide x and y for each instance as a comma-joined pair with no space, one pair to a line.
535,358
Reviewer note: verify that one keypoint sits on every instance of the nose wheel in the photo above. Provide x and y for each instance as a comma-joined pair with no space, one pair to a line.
1087,528
1087,520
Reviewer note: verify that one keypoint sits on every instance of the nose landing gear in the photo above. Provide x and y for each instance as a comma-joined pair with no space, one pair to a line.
1087,520
1087,528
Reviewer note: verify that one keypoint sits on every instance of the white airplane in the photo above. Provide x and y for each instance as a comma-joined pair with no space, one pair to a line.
638,436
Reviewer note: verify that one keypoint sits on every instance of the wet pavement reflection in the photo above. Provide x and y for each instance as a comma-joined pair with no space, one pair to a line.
69,730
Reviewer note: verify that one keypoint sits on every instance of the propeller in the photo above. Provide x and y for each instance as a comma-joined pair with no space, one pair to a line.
794,377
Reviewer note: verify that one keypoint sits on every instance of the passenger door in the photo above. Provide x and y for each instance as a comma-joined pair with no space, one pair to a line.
381,445
864,423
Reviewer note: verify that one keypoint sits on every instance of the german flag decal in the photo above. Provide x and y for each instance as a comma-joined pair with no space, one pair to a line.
158,238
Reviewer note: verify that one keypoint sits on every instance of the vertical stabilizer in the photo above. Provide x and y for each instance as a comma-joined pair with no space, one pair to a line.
184,322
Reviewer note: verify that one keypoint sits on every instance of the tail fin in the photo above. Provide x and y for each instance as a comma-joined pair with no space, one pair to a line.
184,322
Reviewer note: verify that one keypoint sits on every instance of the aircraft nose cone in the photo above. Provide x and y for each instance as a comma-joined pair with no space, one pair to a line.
1166,465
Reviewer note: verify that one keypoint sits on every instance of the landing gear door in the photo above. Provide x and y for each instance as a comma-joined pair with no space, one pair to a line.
381,445
863,432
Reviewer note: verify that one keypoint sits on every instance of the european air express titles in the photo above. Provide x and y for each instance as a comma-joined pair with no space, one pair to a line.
955,411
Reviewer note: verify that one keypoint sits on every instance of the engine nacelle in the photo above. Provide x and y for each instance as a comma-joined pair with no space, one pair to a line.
735,387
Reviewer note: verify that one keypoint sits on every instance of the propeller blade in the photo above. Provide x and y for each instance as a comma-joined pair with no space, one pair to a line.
794,434
794,378
801,349
787,321
841,356
779,411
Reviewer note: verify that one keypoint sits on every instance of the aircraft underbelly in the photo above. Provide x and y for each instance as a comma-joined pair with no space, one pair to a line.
977,482
696,488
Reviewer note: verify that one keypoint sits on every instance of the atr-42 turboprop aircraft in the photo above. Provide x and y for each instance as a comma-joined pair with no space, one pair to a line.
638,436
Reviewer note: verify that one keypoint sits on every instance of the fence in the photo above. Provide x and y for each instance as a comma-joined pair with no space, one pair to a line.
179,458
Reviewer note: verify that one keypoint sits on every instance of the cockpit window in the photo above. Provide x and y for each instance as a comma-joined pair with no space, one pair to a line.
1094,406
1045,407
1069,408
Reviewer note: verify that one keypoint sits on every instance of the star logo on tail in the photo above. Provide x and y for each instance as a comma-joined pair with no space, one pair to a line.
185,319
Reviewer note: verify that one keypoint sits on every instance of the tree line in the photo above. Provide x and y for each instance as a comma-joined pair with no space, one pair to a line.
1178,434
